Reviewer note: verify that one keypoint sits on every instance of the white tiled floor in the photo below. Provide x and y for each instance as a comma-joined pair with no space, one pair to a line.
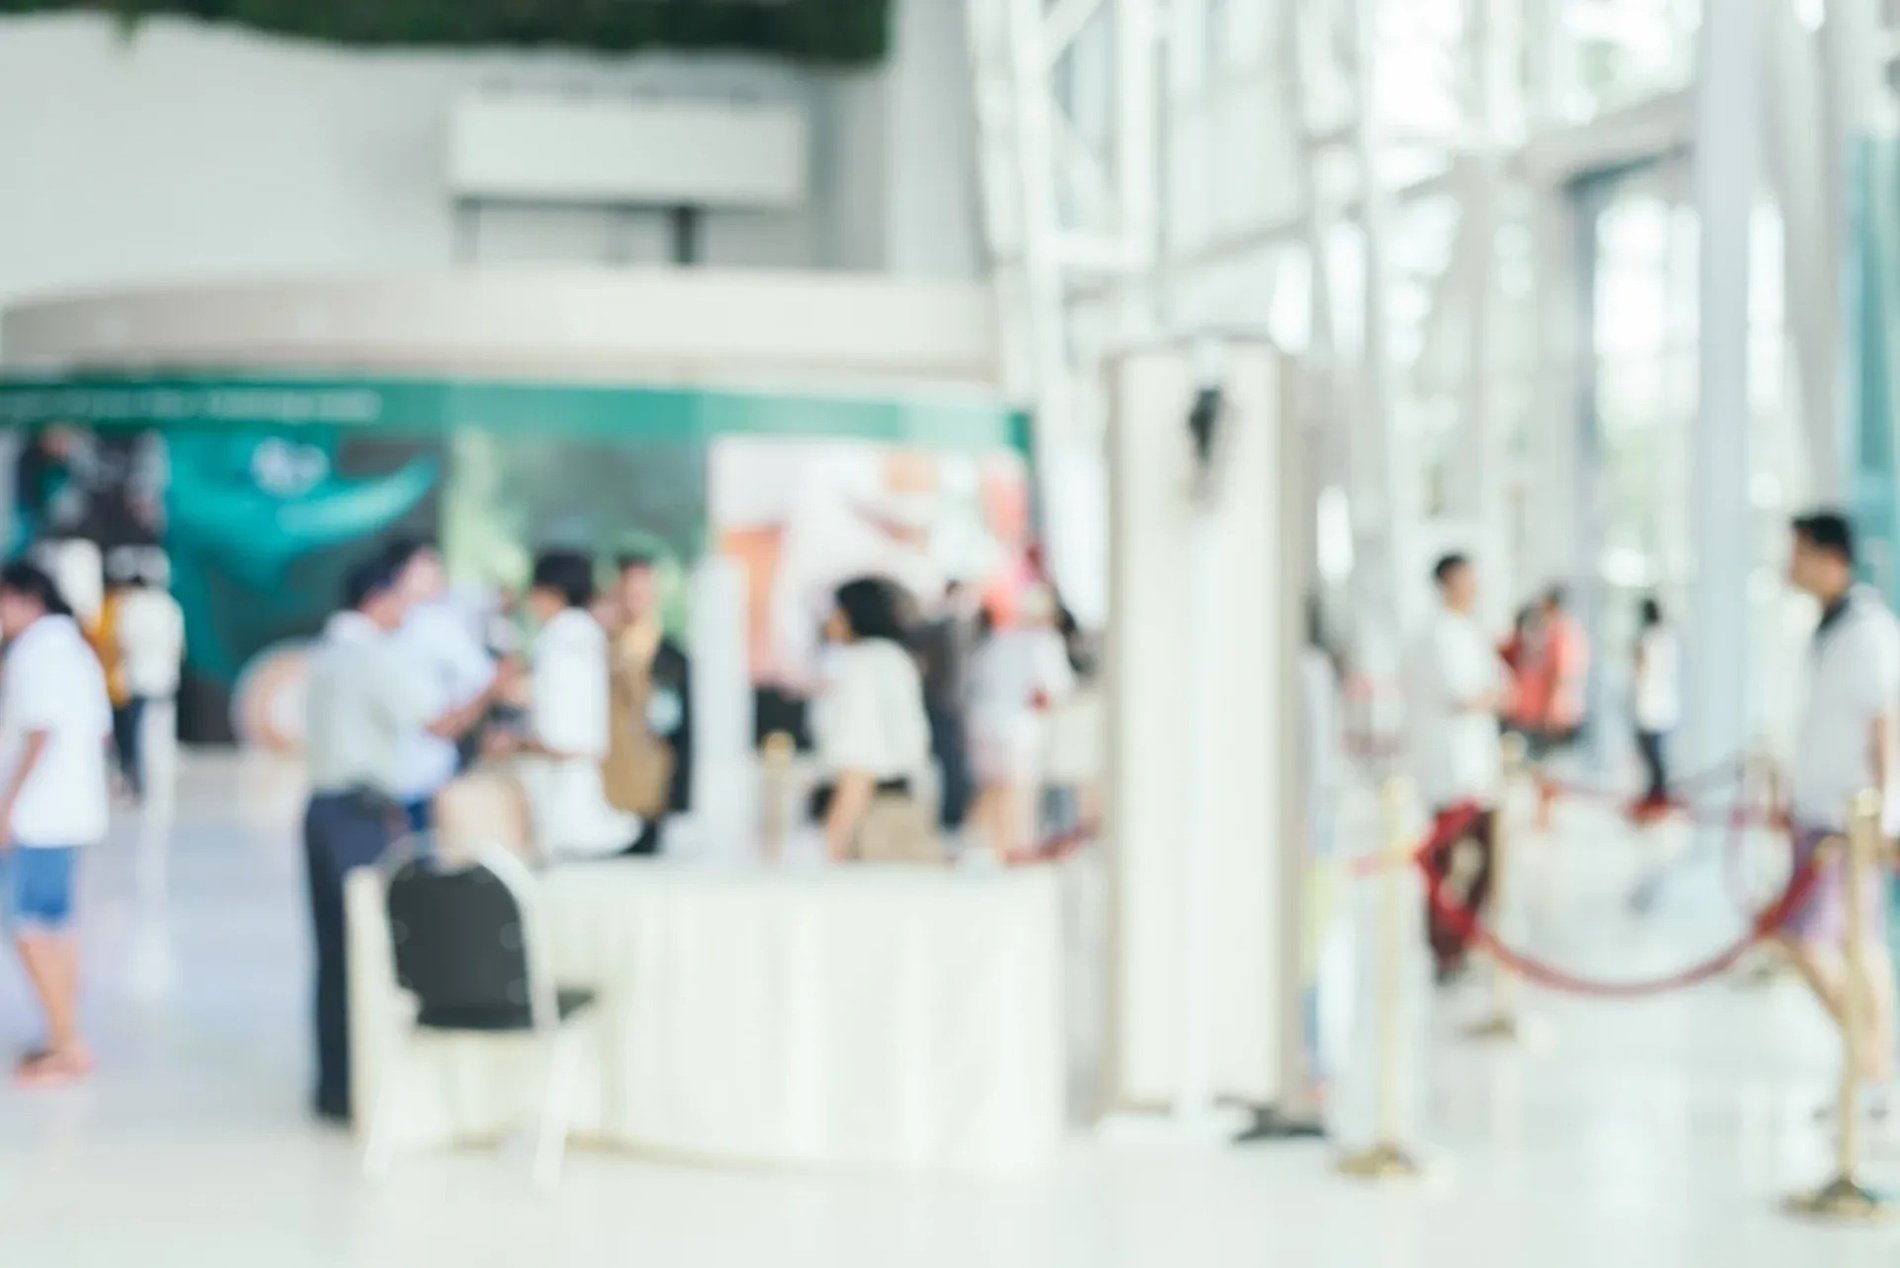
1655,1133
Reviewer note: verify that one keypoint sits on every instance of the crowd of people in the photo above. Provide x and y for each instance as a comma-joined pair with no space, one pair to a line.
996,708
929,724
1465,692
924,724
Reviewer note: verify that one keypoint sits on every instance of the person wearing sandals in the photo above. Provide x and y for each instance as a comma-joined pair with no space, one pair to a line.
55,720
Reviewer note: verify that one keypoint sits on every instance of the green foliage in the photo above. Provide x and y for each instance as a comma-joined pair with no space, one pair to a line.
826,32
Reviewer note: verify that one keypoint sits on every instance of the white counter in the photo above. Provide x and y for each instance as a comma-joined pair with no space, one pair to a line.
862,1017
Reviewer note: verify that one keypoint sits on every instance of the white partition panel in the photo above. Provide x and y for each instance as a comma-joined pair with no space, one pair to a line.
657,152
1201,907
725,772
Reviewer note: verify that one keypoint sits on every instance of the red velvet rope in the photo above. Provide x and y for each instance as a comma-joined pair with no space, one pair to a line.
1470,926
1446,832
1061,845
1733,768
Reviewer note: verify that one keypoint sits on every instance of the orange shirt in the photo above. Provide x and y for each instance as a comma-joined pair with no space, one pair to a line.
1555,677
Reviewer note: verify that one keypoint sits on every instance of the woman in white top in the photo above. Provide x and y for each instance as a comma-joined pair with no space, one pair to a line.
150,630
872,733
568,718
1017,678
54,719
1658,703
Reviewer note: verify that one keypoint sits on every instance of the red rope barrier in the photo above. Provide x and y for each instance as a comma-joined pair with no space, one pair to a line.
1061,845
1715,776
1764,925
1446,833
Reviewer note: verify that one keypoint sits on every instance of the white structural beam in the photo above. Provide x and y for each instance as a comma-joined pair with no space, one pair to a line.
1065,21
1382,499
1137,127
1794,113
1563,329
1852,76
1721,506
1649,129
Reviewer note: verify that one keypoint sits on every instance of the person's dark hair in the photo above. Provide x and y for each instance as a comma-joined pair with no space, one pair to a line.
1526,617
366,582
1447,565
1557,596
871,608
1652,613
402,552
33,582
636,559
1829,532
568,573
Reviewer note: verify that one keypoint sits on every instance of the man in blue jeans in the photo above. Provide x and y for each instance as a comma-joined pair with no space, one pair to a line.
53,801
366,697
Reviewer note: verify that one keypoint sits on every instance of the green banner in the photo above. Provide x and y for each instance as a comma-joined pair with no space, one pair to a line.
262,492
832,32
434,405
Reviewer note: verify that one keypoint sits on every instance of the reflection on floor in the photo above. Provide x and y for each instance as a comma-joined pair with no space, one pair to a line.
1659,1132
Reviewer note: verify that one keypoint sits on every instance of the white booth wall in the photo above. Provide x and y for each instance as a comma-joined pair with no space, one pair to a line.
1207,822
183,151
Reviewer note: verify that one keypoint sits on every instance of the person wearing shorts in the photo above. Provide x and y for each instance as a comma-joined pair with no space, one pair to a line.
55,721
1846,748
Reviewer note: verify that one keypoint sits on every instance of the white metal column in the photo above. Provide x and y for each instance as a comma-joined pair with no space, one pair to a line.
1721,512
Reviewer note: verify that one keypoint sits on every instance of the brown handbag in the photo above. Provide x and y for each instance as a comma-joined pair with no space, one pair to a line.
637,773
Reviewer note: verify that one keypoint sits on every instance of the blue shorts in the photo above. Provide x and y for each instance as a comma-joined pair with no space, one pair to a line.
36,885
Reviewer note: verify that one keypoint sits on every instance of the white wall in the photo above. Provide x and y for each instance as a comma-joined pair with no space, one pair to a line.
194,153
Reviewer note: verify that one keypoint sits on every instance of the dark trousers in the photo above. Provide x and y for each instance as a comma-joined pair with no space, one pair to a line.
128,742
419,815
647,844
1656,762
341,832
950,746
1463,873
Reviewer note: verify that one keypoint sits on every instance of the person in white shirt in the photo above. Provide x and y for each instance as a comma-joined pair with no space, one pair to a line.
55,721
150,630
1457,688
1017,676
1658,702
873,734
449,662
1846,747
569,719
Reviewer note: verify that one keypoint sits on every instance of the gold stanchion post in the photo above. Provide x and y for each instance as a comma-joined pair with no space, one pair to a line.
1387,1159
1502,1025
779,749
1844,1197
1770,963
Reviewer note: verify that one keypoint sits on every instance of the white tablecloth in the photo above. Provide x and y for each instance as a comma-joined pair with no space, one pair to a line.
857,1017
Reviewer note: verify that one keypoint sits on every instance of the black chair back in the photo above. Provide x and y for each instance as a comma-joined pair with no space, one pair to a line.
461,947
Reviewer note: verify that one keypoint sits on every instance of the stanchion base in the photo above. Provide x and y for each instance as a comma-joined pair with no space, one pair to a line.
1273,1124
1497,1028
1843,1200
1384,1161
1765,975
